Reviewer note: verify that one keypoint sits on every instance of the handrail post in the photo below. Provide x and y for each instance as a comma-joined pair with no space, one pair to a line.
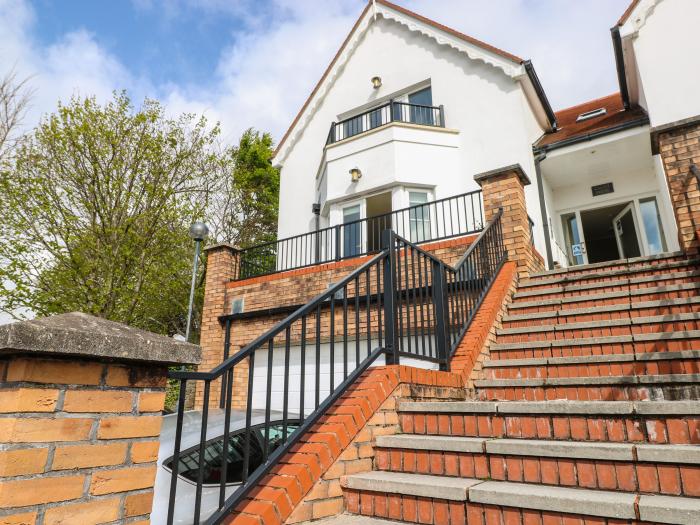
440,309
442,115
391,339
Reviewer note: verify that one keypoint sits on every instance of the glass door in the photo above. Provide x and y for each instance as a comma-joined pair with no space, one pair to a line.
625,227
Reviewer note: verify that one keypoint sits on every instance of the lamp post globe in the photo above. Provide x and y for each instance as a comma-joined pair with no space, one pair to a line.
199,231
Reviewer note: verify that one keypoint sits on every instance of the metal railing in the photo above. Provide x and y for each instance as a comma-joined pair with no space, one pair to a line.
432,221
390,112
404,302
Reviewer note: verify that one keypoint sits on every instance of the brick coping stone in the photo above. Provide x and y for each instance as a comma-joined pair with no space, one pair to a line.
81,335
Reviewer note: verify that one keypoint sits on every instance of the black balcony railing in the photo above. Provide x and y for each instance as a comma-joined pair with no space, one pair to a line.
404,302
385,114
432,221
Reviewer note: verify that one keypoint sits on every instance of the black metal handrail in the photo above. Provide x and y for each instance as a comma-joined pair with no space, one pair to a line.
386,113
404,302
432,221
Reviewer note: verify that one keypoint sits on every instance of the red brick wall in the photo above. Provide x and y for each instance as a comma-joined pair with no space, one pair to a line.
679,149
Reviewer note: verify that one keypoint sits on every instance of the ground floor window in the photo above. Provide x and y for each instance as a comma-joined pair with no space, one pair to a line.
352,231
419,216
651,218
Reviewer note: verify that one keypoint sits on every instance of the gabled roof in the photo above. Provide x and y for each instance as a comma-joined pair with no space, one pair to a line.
517,62
569,129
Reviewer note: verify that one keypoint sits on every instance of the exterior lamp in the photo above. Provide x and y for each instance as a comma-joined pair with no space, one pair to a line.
355,174
198,232
376,82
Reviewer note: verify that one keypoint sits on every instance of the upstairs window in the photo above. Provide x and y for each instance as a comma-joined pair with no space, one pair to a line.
591,114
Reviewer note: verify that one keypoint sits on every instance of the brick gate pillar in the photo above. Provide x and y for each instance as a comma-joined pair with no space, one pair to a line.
80,419
679,147
222,267
505,188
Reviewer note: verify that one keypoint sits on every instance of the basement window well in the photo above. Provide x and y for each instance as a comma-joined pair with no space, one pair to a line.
591,114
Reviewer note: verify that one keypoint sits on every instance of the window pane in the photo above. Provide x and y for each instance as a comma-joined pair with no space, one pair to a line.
652,226
572,238
420,114
352,233
419,216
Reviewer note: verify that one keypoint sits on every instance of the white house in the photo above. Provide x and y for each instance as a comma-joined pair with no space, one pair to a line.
409,111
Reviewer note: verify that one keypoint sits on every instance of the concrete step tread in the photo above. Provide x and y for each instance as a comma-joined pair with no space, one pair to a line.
559,407
620,505
597,359
349,519
636,265
516,304
569,286
667,453
587,341
603,309
602,323
589,381
421,485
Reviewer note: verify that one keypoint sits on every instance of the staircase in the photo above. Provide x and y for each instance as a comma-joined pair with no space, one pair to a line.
589,412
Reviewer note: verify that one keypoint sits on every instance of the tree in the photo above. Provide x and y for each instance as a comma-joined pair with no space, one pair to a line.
94,211
243,209
14,100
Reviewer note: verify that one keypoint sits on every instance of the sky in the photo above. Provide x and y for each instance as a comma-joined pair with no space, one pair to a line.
253,62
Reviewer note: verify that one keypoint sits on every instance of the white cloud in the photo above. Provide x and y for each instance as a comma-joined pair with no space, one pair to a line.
264,76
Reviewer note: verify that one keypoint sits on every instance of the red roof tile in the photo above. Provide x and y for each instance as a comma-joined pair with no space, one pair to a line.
568,127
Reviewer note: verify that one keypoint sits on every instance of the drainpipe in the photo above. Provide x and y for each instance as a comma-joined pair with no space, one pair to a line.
543,210
316,209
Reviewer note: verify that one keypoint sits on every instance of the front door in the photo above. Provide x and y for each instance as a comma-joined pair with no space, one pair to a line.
625,227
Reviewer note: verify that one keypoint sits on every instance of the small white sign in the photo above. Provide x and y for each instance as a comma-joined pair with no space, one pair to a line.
577,250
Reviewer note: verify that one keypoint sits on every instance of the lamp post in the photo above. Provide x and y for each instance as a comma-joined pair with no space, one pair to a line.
198,232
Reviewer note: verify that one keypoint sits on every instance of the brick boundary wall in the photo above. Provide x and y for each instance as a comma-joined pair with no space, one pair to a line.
678,145
305,486
283,289
79,432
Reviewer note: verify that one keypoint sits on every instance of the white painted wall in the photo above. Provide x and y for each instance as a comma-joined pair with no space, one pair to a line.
666,46
495,124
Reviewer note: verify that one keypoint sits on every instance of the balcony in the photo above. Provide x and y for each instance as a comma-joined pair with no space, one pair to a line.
441,219
433,116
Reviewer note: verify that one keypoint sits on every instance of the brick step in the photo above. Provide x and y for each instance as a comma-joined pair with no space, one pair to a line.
600,328
597,271
657,422
616,344
655,469
614,285
442,500
650,363
652,293
569,314
601,388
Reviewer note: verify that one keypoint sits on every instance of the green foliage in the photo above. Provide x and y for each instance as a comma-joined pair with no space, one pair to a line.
243,211
94,210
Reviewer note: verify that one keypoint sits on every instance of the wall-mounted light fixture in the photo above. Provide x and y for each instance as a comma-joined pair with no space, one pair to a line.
355,174
376,82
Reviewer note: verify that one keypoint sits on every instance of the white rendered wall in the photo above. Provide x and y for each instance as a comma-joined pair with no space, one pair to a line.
496,126
667,48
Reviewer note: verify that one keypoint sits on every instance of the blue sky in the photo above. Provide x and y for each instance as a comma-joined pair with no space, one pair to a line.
252,63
